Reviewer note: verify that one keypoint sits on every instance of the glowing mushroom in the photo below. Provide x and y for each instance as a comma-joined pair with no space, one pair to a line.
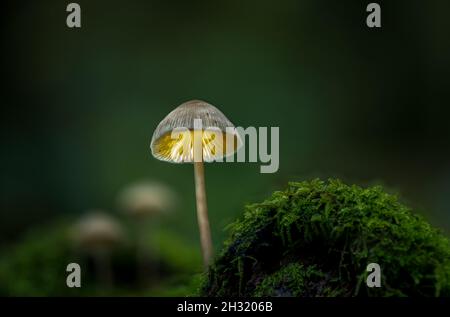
196,132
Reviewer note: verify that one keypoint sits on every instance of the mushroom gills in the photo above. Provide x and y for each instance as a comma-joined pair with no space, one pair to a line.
179,147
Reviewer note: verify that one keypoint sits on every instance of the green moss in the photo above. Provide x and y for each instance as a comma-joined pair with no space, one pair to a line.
290,280
317,238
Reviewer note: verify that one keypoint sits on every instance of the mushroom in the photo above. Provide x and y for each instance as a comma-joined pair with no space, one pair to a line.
144,201
96,233
196,132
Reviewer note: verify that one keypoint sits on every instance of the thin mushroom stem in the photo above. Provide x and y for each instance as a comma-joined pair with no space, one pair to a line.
202,213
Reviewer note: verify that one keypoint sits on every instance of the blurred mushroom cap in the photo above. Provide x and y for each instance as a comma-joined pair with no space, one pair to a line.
146,198
96,230
173,139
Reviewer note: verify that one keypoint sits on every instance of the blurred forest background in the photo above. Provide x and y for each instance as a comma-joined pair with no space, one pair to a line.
79,107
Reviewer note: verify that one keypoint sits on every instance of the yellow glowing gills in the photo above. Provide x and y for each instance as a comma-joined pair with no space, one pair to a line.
178,147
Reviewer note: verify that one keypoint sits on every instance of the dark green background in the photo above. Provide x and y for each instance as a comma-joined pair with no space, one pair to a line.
79,106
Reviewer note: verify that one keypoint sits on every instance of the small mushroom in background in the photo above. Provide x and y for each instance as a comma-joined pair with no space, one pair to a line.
96,234
179,138
144,201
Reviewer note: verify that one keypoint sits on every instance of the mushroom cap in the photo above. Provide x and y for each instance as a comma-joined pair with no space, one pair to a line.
173,139
146,198
97,231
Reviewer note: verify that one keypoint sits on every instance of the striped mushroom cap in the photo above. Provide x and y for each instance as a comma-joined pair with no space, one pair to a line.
176,135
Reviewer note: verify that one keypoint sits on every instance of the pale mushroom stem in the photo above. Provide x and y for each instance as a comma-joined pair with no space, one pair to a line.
202,213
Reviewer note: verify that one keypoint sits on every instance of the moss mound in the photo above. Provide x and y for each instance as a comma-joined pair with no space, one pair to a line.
317,238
